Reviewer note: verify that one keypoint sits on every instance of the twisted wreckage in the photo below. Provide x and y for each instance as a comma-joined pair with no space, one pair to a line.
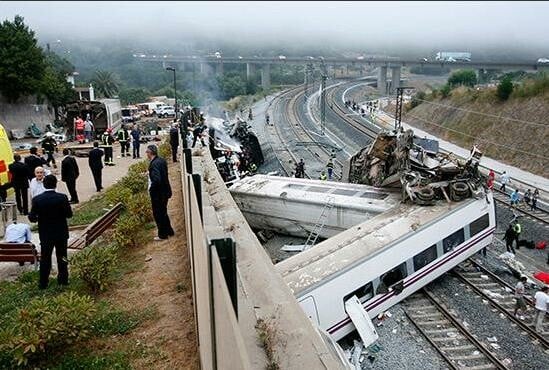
400,159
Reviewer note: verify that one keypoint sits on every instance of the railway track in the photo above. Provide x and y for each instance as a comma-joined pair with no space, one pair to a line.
500,295
298,136
540,215
448,336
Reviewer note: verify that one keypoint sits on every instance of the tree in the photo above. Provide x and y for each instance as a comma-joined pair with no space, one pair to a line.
505,88
466,77
231,85
21,60
133,95
54,85
105,83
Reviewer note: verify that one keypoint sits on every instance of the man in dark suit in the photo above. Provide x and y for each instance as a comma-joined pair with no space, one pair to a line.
174,141
51,210
69,174
96,165
19,173
160,191
33,160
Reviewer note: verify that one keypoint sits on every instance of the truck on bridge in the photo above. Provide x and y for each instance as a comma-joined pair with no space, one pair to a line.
453,56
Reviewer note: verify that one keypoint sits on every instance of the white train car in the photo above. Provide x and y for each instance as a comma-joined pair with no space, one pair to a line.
385,259
293,206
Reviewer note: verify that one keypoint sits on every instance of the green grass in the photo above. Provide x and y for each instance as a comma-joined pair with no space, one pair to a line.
90,211
114,360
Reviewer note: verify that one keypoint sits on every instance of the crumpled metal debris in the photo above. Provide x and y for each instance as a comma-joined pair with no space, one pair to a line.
401,160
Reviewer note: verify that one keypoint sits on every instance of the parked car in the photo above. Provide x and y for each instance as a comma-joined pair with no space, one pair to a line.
165,111
217,54
282,57
543,60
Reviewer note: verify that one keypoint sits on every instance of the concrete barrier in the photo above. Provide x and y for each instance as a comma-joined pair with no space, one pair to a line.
228,338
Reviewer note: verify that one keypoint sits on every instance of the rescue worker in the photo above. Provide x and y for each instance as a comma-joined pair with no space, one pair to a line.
517,228
509,238
300,169
250,115
107,140
491,179
330,168
123,138
49,145
323,176
267,118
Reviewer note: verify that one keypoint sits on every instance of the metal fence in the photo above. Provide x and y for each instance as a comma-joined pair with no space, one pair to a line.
220,340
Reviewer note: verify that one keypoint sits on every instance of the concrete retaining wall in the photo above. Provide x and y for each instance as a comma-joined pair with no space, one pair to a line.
21,114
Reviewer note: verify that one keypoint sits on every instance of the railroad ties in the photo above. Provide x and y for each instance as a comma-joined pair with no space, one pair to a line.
500,295
449,337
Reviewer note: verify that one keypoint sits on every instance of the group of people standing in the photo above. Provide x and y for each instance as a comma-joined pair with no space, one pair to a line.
125,136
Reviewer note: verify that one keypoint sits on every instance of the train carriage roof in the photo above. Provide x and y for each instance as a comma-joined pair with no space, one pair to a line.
346,249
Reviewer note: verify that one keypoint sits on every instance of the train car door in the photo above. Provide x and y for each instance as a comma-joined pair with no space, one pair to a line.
309,306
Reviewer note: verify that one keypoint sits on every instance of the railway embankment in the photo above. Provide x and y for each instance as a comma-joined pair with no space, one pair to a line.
514,131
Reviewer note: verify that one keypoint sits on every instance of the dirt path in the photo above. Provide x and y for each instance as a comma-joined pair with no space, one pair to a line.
163,284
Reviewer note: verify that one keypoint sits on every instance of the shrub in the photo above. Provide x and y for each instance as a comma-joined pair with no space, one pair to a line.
94,266
47,323
445,90
139,167
140,206
134,181
117,194
505,88
125,231
466,77
165,150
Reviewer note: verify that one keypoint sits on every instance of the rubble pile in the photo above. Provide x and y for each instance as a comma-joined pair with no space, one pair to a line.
415,165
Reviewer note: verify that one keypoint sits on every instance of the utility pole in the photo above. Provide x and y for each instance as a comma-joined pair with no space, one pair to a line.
398,108
323,78
174,90
308,78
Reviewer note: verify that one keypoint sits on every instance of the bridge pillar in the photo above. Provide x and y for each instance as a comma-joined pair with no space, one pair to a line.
266,76
395,78
219,69
205,69
250,71
382,80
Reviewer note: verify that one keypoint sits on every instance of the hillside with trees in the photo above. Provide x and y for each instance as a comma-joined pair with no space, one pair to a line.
507,120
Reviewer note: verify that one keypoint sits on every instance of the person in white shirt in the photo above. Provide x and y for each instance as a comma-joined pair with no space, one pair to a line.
36,185
504,179
18,233
542,300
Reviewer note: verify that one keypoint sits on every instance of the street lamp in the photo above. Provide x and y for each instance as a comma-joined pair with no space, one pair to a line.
174,89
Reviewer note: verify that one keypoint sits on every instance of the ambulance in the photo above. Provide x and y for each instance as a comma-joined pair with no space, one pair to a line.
6,155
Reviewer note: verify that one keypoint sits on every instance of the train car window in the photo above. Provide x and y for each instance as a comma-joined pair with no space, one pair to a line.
479,224
344,192
318,189
426,257
391,277
372,195
363,293
453,240
295,186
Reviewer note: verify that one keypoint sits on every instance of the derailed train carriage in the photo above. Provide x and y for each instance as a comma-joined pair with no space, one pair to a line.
445,215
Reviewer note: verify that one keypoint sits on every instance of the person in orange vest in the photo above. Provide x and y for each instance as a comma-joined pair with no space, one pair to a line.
491,179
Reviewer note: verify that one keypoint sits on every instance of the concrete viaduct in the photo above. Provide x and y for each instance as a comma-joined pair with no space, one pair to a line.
208,63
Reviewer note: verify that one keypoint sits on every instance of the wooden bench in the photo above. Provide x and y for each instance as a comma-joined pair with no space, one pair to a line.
96,228
19,252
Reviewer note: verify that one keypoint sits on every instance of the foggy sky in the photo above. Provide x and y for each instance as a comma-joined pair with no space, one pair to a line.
357,24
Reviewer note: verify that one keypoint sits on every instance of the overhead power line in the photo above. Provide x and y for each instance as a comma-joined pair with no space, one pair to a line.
477,138
484,114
